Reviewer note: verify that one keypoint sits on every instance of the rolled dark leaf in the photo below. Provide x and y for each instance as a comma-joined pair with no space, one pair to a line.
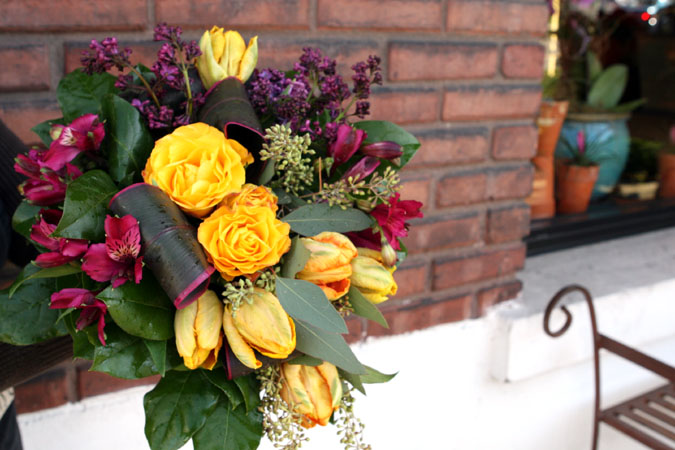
170,246
228,108
234,368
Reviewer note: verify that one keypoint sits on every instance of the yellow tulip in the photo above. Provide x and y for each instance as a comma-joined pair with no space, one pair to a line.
198,331
329,263
314,392
262,325
369,274
225,54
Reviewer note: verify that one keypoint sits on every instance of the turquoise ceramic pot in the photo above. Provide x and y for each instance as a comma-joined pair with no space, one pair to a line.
609,140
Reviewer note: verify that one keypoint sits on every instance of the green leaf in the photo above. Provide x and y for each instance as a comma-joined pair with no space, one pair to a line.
305,301
43,129
177,408
128,142
86,206
628,106
82,348
267,173
283,197
142,309
379,130
373,376
402,254
218,378
295,259
124,355
594,66
362,307
26,318
354,380
157,350
24,218
326,346
608,88
305,360
79,93
50,272
310,220
248,385
228,428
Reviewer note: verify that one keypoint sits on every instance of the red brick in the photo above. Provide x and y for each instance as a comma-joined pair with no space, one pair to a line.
234,13
25,68
475,16
97,383
517,142
450,146
21,117
497,294
356,329
510,182
508,223
376,14
73,15
416,190
441,61
423,315
462,188
492,102
523,61
456,271
405,106
439,232
142,52
411,279
46,391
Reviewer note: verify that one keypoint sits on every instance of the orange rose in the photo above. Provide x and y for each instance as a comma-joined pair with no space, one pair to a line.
252,195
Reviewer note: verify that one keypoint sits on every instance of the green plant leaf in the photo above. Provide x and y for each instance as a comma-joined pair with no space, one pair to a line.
267,173
79,93
24,218
607,90
50,272
354,380
177,408
250,390
142,309
373,376
157,350
310,220
305,360
295,259
128,142
228,428
362,307
305,301
628,106
326,346
86,206
82,348
218,378
43,129
379,130
124,355
594,67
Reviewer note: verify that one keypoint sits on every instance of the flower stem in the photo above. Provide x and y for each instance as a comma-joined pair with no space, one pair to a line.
145,83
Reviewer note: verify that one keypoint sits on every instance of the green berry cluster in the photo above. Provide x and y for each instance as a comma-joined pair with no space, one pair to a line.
291,158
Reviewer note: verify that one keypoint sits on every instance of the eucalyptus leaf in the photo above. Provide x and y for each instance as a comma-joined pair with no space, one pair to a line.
354,380
306,301
43,130
228,428
326,346
362,307
267,173
79,93
177,408
250,390
86,206
310,220
24,217
379,130
373,376
608,88
157,350
283,197
123,356
295,259
218,378
49,272
306,360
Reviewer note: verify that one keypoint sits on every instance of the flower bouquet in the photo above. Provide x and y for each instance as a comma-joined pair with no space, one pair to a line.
214,224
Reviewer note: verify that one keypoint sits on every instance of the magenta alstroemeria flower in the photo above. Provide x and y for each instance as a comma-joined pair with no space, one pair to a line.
362,169
30,164
92,308
383,149
63,250
117,260
346,144
581,142
84,134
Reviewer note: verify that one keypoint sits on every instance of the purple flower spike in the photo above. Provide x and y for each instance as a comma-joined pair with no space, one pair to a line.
581,142
92,308
347,143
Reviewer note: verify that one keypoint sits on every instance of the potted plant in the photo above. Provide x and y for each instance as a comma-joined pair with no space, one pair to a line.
576,175
639,179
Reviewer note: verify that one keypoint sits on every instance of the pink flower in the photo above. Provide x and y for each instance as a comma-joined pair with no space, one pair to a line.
84,134
362,169
117,260
384,149
581,142
63,250
346,144
391,218
92,308
44,187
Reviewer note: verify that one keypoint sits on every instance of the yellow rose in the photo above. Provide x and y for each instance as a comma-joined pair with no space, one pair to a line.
371,277
329,263
243,240
224,54
262,325
197,167
314,392
198,331
252,195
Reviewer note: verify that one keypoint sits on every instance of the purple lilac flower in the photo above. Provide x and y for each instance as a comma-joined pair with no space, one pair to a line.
103,55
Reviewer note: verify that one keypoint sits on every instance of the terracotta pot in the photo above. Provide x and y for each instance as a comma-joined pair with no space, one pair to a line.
666,175
574,185
549,123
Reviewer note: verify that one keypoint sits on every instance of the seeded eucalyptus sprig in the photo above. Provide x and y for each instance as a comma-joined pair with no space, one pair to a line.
346,192
291,157
350,427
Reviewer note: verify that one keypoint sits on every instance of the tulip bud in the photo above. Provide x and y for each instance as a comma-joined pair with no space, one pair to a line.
259,323
365,205
314,392
198,336
328,265
371,277
388,255
225,54
383,149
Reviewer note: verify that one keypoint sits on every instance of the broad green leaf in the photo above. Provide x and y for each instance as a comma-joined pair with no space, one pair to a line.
123,356
608,88
157,350
218,378
362,307
24,218
228,428
267,173
142,309
283,197
310,220
248,385
326,346
305,301
86,206
43,129
128,142
26,318
354,380
295,259
49,272
82,348
177,408
594,67
628,106
79,93
379,130
305,360
373,376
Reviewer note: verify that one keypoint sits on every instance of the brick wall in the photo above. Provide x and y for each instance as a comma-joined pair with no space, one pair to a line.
463,75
